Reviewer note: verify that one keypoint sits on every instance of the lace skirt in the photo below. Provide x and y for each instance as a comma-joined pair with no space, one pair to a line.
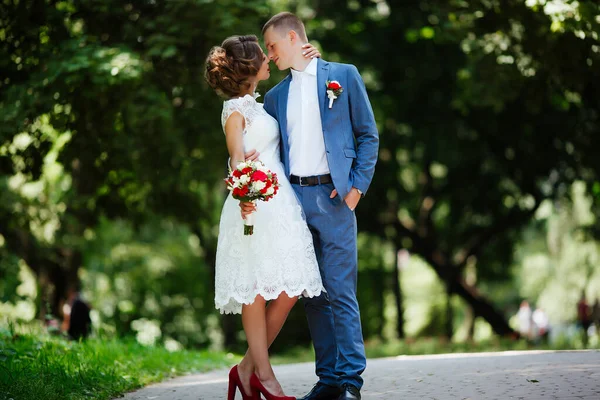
278,257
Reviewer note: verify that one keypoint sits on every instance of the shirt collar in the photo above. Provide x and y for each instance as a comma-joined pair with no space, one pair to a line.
311,69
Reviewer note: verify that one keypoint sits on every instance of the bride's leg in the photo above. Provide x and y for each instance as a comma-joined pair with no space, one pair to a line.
276,314
255,327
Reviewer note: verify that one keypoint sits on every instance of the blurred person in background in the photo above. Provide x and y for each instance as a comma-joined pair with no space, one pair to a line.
76,321
524,316
584,317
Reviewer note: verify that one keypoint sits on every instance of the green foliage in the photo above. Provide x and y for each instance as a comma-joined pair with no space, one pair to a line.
485,109
558,260
151,280
105,116
112,156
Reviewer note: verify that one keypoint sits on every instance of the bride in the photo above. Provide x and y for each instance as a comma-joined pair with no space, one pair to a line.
278,262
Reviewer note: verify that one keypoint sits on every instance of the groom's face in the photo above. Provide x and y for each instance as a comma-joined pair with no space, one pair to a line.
279,47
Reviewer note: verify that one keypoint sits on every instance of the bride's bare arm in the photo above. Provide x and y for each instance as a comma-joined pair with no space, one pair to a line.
234,136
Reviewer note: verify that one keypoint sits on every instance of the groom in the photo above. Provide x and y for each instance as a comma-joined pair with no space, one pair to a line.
329,145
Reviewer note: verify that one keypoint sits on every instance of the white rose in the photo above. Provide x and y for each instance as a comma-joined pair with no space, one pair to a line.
270,190
258,185
263,168
244,179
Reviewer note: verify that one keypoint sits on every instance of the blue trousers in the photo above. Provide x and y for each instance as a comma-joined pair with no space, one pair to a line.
334,317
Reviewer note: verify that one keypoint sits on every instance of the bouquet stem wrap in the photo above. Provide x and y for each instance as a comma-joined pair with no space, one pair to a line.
249,223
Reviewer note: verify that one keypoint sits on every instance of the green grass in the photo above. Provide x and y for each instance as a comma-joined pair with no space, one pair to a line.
40,367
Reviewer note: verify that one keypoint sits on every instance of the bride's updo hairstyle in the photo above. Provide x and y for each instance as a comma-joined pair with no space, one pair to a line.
229,66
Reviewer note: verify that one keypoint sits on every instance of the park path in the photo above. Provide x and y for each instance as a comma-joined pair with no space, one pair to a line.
529,375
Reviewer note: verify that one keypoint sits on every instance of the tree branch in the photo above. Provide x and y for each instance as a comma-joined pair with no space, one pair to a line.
474,245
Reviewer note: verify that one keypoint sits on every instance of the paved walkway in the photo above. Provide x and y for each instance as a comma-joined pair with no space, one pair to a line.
508,375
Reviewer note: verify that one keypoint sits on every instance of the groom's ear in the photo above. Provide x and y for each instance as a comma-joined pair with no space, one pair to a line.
292,36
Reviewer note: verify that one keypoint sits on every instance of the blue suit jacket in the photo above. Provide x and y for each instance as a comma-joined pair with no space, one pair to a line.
349,129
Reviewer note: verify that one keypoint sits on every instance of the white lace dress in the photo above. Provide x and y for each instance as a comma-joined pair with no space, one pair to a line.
279,256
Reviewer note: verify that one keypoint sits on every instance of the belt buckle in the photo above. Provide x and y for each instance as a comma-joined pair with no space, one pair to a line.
300,179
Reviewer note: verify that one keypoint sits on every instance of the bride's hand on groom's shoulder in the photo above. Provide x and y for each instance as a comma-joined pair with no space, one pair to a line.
310,51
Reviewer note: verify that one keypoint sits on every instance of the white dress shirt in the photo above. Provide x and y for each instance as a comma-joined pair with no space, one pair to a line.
305,132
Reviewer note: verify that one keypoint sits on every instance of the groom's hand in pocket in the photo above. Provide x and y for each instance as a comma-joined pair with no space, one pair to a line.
352,198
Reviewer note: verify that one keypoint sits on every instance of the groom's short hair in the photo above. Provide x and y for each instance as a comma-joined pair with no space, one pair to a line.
288,21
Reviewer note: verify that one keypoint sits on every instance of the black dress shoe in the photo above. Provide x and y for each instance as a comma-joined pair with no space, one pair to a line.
322,391
349,392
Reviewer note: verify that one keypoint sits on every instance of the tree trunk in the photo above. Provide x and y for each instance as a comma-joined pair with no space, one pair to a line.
471,280
55,269
448,325
469,323
229,326
57,279
397,287
483,308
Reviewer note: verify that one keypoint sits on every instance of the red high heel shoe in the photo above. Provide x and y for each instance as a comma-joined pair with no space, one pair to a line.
235,382
258,389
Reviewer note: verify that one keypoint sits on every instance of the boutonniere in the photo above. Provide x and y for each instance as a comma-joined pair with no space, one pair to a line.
334,89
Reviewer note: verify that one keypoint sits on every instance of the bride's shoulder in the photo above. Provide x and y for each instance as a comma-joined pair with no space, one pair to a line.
243,101
246,105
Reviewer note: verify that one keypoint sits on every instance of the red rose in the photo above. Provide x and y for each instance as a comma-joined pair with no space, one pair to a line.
246,170
334,86
237,173
236,192
259,176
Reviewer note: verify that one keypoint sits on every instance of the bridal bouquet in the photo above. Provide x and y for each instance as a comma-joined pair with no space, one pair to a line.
251,181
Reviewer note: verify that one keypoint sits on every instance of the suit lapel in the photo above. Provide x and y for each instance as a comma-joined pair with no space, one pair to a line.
322,76
282,108
282,119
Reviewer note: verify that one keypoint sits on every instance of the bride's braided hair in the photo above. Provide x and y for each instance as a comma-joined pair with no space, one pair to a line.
229,66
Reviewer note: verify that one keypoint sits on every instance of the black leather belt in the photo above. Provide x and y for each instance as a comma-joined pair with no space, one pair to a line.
310,180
